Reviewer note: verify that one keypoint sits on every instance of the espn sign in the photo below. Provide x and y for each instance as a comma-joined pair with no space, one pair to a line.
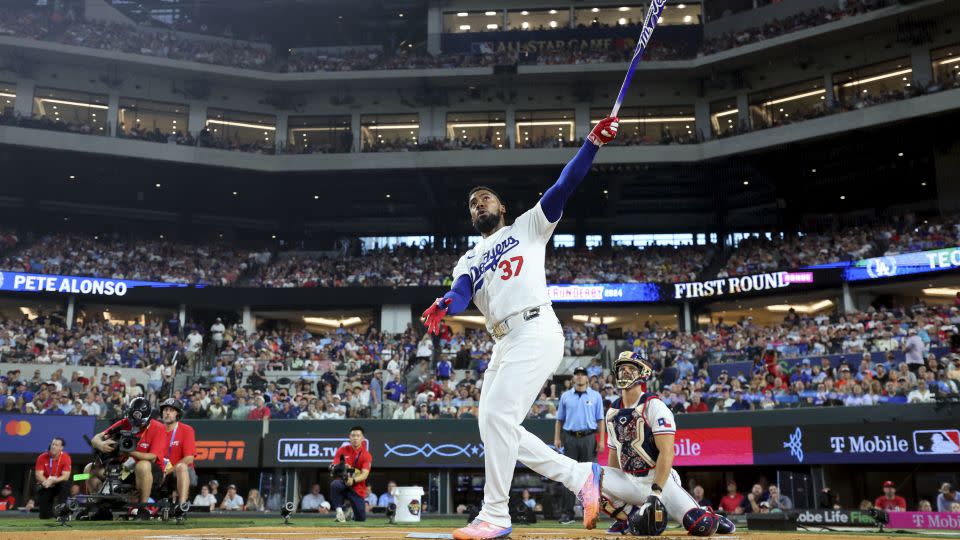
220,445
223,450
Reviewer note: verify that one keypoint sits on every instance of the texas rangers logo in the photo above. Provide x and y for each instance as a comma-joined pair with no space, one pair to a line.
490,260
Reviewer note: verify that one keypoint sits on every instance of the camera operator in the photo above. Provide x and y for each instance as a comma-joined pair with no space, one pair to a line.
351,467
52,472
178,469
145,456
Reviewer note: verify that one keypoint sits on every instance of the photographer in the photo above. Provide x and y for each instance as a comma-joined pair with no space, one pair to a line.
52,472
351,467
145,454
178,470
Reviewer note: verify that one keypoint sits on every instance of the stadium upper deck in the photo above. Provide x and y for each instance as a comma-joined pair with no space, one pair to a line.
850,65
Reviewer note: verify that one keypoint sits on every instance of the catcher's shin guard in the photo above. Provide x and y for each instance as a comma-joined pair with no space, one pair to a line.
700,522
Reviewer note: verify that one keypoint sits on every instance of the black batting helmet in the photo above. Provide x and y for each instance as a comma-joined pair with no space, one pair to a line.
173,404
138,412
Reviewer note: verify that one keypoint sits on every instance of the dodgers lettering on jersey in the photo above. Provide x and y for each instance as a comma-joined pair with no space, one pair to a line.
507,268
631,432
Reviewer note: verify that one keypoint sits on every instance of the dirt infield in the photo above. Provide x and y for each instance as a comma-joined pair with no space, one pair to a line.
172,532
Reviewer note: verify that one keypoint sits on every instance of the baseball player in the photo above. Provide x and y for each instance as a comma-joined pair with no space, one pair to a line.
504,275
640,486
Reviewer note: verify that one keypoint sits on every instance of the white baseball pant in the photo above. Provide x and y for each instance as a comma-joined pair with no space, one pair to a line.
622,488
522,361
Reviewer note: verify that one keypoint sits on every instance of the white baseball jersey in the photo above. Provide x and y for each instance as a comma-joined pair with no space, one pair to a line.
507,267
632,428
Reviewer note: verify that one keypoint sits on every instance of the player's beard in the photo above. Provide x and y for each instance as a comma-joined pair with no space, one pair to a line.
486,223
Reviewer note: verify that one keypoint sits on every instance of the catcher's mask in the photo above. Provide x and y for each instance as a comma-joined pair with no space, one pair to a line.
631,369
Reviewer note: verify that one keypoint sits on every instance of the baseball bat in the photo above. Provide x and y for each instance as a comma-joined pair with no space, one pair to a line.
649,24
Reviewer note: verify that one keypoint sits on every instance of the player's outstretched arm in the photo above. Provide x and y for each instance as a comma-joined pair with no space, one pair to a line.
555,198
451,303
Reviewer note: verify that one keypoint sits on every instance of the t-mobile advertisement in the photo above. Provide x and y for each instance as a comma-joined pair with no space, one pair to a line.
713,446
886,442
707,447
941,521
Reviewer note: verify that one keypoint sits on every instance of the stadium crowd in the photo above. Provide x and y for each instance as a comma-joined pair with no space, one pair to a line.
375,268
900,235
793,23
222,265
625,264
906,355
147,260
69,28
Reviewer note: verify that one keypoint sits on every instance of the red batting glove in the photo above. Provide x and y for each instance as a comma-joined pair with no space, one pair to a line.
605,131
434,314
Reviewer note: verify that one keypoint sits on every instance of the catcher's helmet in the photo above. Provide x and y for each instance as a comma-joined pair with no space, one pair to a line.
173,404
138,412
650,519
640,373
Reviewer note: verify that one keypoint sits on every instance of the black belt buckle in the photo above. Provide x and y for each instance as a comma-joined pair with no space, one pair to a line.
531,314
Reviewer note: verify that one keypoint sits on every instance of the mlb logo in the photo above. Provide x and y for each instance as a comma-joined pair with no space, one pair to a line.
937,441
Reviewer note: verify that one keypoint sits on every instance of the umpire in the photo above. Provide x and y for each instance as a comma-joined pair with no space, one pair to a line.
579,417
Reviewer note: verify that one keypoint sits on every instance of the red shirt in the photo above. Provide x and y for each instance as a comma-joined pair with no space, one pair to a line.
183,444
357,459
54,467
896,504
259,413
729,504
152,439
8,503
699,407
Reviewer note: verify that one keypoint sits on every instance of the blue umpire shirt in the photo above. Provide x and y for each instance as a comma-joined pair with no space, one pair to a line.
580,411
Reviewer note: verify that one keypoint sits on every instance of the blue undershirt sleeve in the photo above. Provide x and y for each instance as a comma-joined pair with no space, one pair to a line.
556,197
461,293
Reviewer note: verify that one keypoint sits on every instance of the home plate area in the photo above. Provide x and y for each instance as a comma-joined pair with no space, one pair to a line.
312,533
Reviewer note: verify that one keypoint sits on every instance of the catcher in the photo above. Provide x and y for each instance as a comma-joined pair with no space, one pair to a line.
639,487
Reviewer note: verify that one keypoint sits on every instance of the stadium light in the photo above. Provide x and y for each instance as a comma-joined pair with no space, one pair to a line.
478,125
793,98
393,126
941,291
335,128
472,319
878,77
241,124
726,113
74,103
812,307
653,120
333,323
589,318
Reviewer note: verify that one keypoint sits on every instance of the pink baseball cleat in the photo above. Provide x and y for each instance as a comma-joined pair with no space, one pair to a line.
590,497
481,530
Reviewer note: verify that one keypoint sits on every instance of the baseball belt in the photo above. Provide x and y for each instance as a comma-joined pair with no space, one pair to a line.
502,328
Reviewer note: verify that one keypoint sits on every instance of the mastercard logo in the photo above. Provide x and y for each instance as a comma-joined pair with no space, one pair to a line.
17,428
